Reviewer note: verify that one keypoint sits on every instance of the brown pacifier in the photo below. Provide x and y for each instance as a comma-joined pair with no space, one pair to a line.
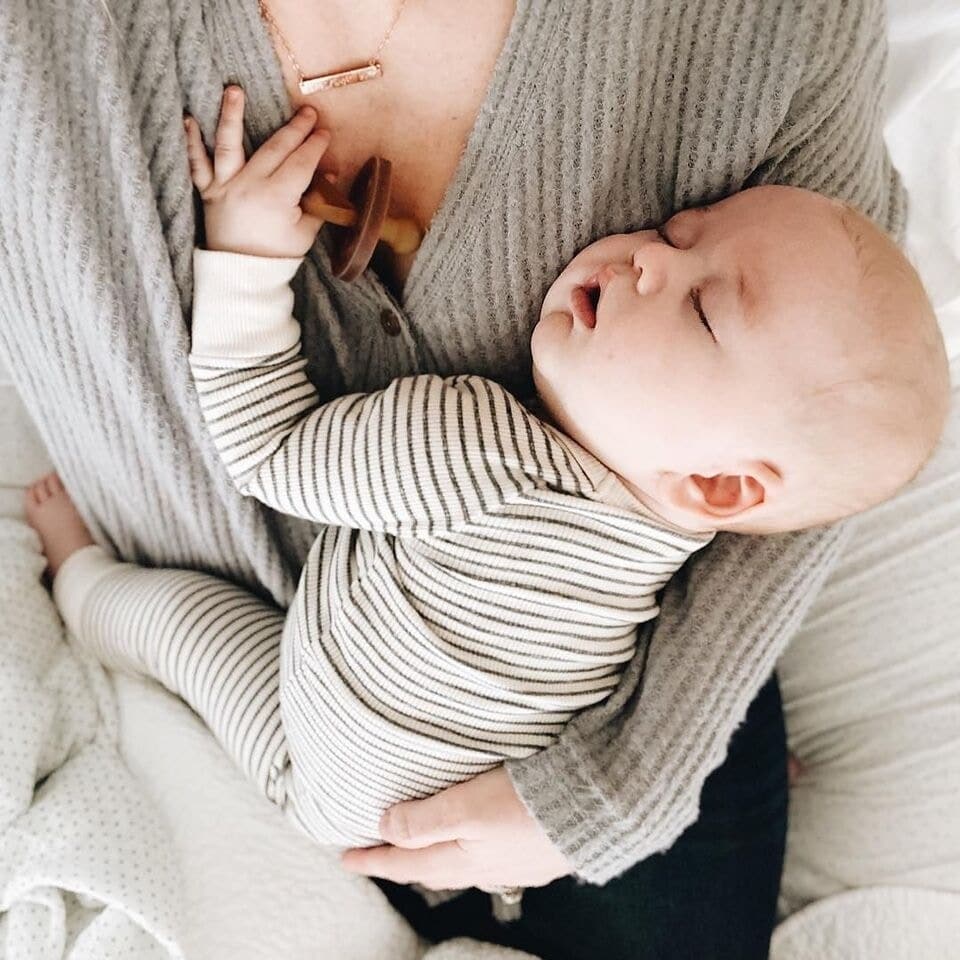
361,218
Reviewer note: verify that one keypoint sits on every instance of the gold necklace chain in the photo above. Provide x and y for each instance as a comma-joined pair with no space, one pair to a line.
331,81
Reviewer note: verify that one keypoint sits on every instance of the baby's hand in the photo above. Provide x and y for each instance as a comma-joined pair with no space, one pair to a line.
253,206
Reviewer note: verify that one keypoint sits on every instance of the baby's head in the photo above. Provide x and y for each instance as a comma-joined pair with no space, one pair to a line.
770,362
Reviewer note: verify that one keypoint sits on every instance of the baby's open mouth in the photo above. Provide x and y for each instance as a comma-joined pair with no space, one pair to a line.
584,301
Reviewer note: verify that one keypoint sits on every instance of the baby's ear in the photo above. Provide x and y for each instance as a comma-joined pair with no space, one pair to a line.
724,497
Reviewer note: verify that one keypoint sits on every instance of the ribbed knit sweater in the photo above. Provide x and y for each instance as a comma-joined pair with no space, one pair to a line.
601,116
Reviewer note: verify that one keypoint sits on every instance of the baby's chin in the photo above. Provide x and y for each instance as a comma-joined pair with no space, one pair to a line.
548,342
549,348
548,400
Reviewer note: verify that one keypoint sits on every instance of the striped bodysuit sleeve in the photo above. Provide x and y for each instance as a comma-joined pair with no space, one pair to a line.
423,453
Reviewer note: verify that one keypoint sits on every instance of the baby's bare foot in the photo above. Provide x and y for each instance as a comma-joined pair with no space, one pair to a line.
51,512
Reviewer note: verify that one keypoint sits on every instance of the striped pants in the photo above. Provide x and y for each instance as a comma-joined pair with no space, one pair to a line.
211,643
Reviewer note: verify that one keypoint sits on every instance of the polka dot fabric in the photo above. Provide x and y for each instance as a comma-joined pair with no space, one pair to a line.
86,869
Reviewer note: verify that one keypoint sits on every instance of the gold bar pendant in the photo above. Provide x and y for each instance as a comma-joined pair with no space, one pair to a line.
331,81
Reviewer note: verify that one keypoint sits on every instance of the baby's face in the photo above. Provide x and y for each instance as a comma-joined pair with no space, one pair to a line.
674,348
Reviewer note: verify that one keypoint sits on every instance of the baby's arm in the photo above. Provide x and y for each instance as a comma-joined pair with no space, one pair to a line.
408,455
387,461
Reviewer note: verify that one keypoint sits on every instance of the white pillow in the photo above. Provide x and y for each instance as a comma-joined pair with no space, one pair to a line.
923,133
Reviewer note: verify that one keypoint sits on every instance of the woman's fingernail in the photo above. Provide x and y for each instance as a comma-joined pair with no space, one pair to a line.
307,112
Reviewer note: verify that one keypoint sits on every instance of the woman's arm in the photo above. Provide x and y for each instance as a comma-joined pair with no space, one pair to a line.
624,779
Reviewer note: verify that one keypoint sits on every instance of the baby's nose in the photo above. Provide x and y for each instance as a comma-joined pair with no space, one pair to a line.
649,270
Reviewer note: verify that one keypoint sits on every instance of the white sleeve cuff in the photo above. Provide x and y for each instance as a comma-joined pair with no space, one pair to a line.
78,575
242,305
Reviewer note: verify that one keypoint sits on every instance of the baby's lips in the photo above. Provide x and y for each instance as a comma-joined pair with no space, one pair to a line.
581,306
603,277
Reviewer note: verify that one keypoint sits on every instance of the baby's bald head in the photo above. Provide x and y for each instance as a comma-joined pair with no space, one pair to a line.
871,417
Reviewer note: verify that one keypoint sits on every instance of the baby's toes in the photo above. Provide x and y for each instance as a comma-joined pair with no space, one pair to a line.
37,491
34,498
49,486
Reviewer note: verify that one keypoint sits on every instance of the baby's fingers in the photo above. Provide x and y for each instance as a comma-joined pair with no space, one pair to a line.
228,158
282,143
297,171
201,169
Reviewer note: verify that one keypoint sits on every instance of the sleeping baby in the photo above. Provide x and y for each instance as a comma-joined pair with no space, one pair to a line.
764,364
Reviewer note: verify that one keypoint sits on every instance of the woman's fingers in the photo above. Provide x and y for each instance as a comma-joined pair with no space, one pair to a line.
201,169
422,823
281,144
228,158
293,176
438,867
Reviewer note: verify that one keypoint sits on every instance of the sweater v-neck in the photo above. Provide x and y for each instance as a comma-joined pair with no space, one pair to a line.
249,58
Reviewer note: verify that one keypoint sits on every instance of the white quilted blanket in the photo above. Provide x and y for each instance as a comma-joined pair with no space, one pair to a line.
86,870
162,850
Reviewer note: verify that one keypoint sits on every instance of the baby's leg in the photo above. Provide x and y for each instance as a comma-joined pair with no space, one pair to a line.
208,641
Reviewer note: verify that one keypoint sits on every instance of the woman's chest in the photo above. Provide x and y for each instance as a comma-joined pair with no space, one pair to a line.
419,114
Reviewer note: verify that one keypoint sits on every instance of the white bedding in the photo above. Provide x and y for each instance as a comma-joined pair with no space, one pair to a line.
74,824
871,688
255,890
923,133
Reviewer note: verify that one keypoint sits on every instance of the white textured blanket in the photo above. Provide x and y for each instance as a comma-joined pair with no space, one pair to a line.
86,870
879,923
249,886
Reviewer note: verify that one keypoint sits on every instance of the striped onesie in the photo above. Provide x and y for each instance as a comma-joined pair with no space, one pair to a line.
478,577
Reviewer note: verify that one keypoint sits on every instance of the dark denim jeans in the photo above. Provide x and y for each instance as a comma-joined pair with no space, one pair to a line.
711,896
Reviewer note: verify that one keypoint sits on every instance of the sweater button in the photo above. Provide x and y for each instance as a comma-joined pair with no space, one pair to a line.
390,323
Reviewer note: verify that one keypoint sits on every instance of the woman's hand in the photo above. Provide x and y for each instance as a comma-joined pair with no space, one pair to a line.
253,206
474,834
